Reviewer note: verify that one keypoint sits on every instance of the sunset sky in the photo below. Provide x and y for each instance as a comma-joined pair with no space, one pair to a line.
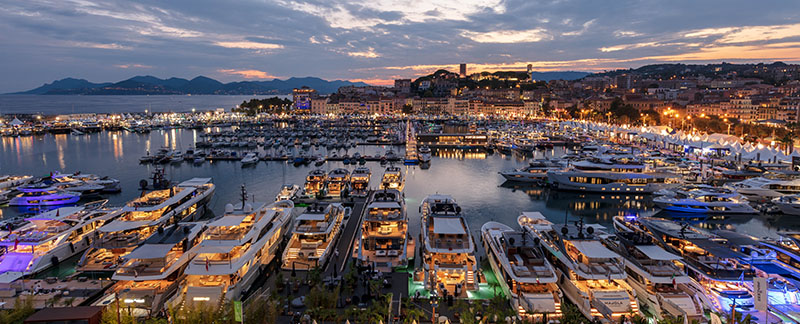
379,40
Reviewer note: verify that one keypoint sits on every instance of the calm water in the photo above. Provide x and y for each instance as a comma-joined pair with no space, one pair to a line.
469,176
66,104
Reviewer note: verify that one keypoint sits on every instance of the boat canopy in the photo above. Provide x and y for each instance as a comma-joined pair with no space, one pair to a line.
311,217
227,221
384,205
656,253
215,249
118,226
594,250
447,225
150,251
183,193
716,249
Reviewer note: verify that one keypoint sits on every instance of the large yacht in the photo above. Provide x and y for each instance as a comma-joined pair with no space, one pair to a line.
705,202
789,204
234,250
392,178
765,188
314,236
717,268
384,238
315,183
42,195
535,172
48,239
522,269
449,265
359,181
151,273
591,276
657,276
140,219
612,182
338,181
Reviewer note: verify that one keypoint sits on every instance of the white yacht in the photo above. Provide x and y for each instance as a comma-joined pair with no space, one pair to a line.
765,188
424,154
151,273
705,202
48,239
315,183
591,276
523,271
612,182
535,172
449,265
249,159
315,233
383,239
288,192
338,181
140,219
359,181
658,277
392,178
789,204
234,250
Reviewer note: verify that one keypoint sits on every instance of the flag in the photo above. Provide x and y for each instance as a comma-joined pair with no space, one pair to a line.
16,242
206,264
741,278
674,282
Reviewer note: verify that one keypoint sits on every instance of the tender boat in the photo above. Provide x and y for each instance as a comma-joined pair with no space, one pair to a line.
359,181
383,239
315,183
449,265
523,271
315,233
590,275
392,178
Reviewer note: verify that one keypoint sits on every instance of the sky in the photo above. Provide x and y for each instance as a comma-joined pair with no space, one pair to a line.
377,41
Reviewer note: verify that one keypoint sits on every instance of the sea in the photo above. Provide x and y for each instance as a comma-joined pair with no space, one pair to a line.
470,176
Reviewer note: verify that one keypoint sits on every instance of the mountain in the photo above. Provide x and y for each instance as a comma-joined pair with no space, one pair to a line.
150,85
68,83
559,75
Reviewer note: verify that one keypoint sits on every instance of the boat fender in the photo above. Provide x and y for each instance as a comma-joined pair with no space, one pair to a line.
71,247
54,260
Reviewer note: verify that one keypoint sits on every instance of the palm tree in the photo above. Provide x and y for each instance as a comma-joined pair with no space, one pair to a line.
412,313
787,142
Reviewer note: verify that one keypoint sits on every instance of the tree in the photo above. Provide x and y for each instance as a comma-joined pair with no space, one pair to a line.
408,109
411,312
23,308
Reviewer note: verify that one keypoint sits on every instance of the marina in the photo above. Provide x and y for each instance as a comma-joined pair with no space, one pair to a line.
598,225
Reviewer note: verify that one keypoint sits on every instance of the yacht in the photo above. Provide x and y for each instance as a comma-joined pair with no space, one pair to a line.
71,180
315,183
9,181
705,202
141,218
590,275
392,178
657,276
234,250
383,239
338,181
612,182
43,195
765,188
789,204
249,159
288,192
424,154
535,172
718,269
449,265
314,235
523,271
359,181
49,238
610,164
151,273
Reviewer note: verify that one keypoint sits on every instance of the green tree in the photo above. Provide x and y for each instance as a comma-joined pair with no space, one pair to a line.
23,308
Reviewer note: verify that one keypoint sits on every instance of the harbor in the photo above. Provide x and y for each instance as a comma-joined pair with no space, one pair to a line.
447,224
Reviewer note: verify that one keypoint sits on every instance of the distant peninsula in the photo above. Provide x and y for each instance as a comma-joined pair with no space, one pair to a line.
150,85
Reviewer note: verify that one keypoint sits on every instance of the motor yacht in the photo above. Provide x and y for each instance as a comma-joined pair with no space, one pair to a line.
535,172
705,202
43,195
789,204
234,250
612,182
448,264
9,181
288,192
315,183
359,181
150,274
765,188
383,239
610,164
49,238
314,236
393,178
141,218
590,275
523,271
657,276
249,159
338,181
424,154
71,182
718,269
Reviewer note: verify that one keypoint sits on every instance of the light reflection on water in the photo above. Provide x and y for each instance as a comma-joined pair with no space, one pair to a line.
470,176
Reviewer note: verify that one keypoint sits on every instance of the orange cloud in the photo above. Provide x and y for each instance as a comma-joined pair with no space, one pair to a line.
134,66
789,51
248,74
377,82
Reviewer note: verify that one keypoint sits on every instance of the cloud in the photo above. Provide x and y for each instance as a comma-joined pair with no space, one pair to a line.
132,66
509,36
112,46
376,82
626,33
249,45
370,53
583,30
248,74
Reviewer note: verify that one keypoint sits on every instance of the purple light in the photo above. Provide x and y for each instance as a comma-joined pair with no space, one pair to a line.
17,262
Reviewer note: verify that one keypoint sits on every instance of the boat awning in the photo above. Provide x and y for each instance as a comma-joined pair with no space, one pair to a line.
118,226
384,205
716,249
183,193
227,221
311,217
195,182
656,253
533,215
214,249
594,249
149,251
448,225
10,276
